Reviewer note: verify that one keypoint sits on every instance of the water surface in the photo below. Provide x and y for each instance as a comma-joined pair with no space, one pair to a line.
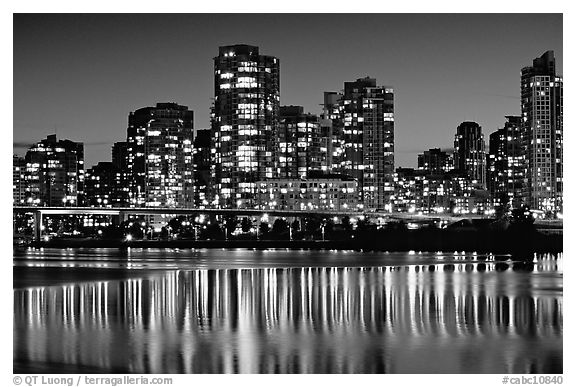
281,311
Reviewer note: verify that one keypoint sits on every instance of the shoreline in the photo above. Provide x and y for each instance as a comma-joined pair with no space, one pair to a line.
417,240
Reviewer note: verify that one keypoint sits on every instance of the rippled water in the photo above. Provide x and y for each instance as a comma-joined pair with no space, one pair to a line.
279,311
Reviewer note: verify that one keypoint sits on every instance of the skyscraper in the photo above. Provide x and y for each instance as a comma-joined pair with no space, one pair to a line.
470,152
18,181
120,158
298,143
202,164
542,132
367,114
505,164
55,173
159,149
332,126
244,123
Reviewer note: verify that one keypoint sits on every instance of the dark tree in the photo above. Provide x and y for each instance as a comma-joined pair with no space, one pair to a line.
280,226
230,223
312,224
134,228
362,224
295,225
212,231
246,224
264,228
328,225
176,224
346,223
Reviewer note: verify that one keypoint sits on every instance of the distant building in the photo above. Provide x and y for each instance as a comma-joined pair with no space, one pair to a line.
542,129
55,173
505,164
417,191
435,161
298,143
202,165
470,152
363,138
18,181
159,156
244,123
331,192
103,186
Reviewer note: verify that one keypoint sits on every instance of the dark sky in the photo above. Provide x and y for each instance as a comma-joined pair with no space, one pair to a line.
80,75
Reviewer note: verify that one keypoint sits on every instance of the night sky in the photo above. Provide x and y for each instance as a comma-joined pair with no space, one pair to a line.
80,75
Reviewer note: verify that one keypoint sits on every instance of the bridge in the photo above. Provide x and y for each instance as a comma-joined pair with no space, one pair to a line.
122,213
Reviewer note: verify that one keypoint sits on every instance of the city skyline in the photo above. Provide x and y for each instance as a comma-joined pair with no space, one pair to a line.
476,82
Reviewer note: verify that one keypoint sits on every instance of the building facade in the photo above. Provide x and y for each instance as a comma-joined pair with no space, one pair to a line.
18,181
363,139
542,131
505,165
103,186
159,156
332,127
298,143
202,165
120,158
470,152
330,192
55,173
244,123
417,191
435,161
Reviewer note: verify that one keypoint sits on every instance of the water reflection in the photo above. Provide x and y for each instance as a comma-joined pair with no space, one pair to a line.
444,318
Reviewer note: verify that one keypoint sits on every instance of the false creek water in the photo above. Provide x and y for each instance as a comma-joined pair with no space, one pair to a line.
284,311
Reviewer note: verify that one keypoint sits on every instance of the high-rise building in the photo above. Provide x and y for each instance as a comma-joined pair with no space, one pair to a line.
159,156
298,143
120,154
244,123
325,144
103,186
55,173
332,127
202,165
470,152
505,164
542,130
435,161
120,158
367,112
18,181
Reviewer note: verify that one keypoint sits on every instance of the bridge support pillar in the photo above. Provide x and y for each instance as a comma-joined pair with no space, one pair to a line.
122,216
38,226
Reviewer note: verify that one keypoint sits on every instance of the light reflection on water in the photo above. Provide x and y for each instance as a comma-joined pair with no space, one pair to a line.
436,314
